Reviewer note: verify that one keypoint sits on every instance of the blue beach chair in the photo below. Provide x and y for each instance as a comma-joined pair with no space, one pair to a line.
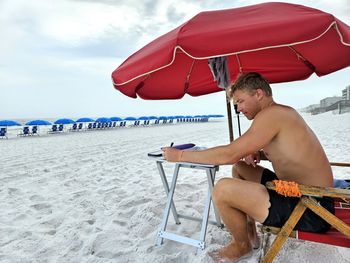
24,132
53,129
3,132
34,130
74,127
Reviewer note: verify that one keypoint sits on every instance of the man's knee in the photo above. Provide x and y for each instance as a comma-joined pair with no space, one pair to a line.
237,169
220,189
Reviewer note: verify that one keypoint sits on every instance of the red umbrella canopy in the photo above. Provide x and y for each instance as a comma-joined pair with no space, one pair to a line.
283,42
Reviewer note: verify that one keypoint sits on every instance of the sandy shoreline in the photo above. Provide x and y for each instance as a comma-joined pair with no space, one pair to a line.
96,197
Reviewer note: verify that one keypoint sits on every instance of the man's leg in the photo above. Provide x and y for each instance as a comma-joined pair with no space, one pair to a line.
235,199
248,172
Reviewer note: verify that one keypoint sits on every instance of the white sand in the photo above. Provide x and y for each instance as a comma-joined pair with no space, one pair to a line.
96,197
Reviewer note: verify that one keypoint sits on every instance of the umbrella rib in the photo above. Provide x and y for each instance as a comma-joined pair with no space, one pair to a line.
239,63
304,60
333,24
187,83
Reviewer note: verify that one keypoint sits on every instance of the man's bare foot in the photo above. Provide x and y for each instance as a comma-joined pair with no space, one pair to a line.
232,253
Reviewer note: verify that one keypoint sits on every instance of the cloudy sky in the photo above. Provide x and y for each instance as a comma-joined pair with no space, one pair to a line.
57,56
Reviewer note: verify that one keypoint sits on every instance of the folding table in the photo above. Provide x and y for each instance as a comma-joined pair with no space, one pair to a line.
170,205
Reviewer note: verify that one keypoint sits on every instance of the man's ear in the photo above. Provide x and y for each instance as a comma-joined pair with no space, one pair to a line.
259,94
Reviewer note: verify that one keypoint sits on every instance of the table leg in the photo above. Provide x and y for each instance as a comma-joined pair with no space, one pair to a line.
211,181
166,188
168,205
205,215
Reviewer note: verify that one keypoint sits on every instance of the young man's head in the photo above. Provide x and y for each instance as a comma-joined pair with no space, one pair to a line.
251,92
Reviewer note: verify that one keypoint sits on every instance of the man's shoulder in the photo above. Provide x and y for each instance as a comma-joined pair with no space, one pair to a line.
277,111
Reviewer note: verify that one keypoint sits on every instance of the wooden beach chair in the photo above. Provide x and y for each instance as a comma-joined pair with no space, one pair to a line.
338,235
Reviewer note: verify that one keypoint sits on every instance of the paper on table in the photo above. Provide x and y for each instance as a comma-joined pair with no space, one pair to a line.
159,153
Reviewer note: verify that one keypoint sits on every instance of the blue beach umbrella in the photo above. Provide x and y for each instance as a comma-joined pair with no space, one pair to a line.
9,123
104,120
162,118
64,121
85,120
216,116
38,122
152,118
116,119
143,118
130,119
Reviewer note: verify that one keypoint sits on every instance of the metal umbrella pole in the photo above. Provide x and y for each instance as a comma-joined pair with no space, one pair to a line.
229,117
239,123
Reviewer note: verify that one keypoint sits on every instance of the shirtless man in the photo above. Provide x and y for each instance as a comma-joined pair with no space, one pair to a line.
279,134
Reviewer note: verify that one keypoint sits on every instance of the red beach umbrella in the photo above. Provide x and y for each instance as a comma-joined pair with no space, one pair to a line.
283,42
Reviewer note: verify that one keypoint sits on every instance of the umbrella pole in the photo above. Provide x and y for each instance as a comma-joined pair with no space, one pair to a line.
229,117
239,123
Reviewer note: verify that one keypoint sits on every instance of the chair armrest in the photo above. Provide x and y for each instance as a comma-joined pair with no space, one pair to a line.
318,191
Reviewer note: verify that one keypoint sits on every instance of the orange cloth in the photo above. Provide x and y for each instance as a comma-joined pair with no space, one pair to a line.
285,188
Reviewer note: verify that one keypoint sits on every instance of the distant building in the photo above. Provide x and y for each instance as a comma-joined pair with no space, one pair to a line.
346,93
310,108
324,103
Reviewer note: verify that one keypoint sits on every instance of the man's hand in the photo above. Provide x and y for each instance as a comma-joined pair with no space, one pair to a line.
252,159
172,154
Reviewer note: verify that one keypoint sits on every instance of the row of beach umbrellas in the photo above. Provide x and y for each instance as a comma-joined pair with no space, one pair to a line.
105,119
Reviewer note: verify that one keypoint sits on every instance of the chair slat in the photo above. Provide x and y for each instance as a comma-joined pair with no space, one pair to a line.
317,191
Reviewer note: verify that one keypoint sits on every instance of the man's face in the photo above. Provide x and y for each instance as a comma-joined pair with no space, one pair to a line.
247,103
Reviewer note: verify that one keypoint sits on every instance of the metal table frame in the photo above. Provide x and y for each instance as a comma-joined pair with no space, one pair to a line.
162,233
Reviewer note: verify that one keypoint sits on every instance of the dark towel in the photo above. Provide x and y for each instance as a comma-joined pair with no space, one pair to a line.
219,69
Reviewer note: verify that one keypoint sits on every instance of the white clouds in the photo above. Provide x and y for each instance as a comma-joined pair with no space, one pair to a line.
66,47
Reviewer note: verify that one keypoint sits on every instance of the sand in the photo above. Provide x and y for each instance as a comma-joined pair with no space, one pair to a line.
96,197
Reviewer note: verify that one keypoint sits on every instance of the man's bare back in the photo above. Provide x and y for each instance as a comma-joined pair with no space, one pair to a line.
295,152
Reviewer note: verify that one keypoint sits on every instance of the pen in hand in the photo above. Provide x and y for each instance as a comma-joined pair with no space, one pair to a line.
171,144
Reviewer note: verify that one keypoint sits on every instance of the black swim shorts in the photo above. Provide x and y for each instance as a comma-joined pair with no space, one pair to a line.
281,208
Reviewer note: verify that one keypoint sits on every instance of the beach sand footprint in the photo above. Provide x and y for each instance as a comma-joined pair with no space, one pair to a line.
43,208
36,198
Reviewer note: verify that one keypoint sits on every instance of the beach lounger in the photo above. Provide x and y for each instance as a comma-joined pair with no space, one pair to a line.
3,132
74,127
53,129
34,130
24,132
80,126
61,128
338,235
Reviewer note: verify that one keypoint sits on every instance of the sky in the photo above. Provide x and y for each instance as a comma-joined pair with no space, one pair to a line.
56,57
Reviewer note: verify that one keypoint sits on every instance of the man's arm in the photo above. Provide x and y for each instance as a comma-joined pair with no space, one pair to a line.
263,129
